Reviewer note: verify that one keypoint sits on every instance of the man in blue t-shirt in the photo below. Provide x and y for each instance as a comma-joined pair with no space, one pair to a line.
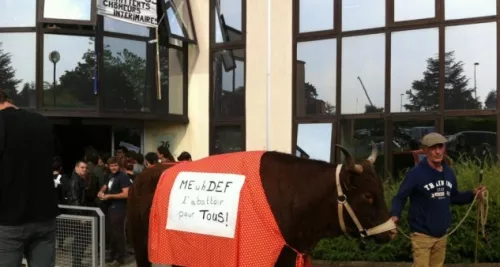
432,188
115,192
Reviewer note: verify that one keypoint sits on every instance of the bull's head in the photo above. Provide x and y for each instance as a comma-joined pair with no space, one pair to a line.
362,208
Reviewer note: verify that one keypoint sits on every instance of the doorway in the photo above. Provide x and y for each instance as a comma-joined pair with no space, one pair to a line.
73,137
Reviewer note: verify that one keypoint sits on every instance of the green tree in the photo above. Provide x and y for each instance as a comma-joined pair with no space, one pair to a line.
491,100
424,93
373,109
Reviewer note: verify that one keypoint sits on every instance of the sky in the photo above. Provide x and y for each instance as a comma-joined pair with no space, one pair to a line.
315,139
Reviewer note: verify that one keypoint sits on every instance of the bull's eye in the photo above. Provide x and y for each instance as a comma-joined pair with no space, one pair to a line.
368,197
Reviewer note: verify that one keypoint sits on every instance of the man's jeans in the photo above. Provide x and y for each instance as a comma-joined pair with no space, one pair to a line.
36,241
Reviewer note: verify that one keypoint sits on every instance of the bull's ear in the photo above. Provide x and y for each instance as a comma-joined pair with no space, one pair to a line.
351,166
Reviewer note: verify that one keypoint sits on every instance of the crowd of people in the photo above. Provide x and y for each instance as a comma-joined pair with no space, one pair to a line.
101,180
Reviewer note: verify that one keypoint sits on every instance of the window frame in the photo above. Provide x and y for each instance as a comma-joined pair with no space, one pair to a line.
92,21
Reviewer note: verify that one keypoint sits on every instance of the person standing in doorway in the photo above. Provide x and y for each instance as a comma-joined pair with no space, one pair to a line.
432,188
116,194
28,197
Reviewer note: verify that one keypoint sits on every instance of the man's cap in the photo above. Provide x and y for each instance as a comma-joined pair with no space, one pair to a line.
432,139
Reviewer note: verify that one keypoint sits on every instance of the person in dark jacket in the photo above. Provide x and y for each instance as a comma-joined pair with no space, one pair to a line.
75,196
28,197
432,188
116,194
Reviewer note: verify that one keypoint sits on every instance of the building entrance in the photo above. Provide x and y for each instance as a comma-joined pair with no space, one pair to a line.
73,136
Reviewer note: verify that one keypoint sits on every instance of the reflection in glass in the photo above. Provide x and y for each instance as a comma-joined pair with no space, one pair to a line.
227,139
357,137
17,67
314,140
67,9
25,15
113,25
182,17
363,74
469,137
127,137
362,14
406,138
163,107
123,77
228,21
415,70
459,9
73,84
412,10
471,66
315,15
229,83
175,81
316,80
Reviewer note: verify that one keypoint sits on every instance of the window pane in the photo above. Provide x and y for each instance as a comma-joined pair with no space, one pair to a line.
316,15
406,139
316,80
162,105
468,137
363,74
175,81
113,25
415,70
127,137
362,14
228,23
123,80
471,66
227,139
17,67
67,9
24,15
411,10
183,13
314,141
173,23
70,81
229,83
357,137
459,9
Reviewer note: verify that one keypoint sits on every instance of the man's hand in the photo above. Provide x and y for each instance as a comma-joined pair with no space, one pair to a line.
395,219
479,190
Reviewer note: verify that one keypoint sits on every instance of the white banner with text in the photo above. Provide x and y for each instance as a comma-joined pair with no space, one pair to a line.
205,203
139,12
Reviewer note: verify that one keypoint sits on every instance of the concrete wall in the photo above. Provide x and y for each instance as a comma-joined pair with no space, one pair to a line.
280,137
195,136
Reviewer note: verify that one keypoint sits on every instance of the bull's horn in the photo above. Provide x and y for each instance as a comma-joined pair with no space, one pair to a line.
350,160
373,156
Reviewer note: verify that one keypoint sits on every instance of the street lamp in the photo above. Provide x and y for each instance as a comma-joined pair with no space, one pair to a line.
401,105
475,87
54,57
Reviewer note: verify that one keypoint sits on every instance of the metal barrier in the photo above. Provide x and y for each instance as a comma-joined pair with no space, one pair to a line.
80,233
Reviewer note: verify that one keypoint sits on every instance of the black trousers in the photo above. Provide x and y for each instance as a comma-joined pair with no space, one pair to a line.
36,241
117,234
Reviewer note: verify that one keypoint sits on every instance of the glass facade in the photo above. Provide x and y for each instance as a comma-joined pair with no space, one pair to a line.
391,71
64,58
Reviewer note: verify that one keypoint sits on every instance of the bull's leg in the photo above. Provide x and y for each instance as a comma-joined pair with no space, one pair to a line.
287,258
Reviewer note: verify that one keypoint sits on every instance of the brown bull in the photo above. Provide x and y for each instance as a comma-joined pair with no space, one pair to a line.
140,198
304,199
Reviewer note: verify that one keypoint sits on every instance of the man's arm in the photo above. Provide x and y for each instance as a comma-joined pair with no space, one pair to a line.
457,197
399,200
